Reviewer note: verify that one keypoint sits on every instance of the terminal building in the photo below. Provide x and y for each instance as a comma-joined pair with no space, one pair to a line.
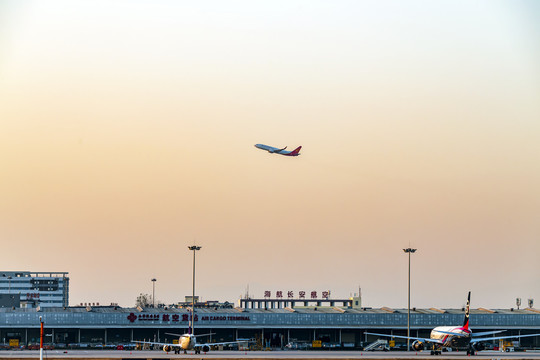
270,322
34,289
338,325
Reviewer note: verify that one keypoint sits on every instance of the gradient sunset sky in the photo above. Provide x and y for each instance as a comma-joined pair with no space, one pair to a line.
127,133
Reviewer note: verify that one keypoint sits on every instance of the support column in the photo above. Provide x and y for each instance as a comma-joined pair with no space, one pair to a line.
79,336
105,337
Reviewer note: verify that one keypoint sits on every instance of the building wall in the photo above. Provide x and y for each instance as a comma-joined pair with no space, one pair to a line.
10,300
110,325
44,289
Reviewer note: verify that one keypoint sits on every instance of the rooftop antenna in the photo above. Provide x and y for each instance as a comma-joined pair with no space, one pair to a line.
246,296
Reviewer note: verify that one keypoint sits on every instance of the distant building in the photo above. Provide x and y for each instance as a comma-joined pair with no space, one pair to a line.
188,302
43,289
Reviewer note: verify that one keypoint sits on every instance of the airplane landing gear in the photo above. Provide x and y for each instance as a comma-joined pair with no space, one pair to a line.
435,352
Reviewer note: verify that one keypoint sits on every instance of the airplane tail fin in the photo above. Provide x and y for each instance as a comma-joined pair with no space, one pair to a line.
466,321
296,151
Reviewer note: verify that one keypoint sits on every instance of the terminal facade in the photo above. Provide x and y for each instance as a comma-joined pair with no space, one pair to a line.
341,326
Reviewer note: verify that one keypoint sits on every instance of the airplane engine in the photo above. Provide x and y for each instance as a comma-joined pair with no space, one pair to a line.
479,347
205,348
417,345
167,348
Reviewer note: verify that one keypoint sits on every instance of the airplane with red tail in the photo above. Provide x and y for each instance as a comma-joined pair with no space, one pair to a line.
273,150
455,337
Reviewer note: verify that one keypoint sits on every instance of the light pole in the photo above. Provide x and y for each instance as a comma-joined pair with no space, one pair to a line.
154,292
194,248
409,251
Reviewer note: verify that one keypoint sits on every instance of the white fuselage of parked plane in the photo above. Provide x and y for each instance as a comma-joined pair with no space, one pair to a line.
442,333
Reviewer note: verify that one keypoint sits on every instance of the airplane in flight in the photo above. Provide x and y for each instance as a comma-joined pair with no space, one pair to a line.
187,342
455,337
273,150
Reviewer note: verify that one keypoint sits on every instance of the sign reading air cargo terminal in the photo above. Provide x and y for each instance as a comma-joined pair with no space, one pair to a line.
176,318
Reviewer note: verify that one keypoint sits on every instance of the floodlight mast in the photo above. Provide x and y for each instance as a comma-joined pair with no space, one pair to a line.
409,251
194,248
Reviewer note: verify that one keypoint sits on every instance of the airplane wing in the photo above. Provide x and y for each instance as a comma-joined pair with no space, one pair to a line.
409,337
174,334
155,343
502,337
222,343
487,333
204,335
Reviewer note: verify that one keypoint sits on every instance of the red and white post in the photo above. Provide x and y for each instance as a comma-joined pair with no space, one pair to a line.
41,339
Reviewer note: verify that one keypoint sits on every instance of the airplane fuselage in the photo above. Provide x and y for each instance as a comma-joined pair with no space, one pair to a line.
274,150
452,341
187,342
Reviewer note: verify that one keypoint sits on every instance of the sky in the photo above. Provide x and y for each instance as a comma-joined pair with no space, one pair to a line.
127,132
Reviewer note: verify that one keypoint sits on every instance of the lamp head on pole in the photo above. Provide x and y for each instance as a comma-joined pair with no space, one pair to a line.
194,247
409,250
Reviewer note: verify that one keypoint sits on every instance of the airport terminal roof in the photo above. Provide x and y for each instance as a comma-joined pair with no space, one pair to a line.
298,309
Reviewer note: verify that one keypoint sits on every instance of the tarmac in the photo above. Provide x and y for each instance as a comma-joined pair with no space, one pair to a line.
257,355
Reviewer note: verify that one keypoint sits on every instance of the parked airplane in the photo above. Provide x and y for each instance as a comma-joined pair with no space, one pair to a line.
273,150
188,342
460,337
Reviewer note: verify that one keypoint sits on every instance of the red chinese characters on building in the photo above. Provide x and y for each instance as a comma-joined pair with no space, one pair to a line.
166,317
301,294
